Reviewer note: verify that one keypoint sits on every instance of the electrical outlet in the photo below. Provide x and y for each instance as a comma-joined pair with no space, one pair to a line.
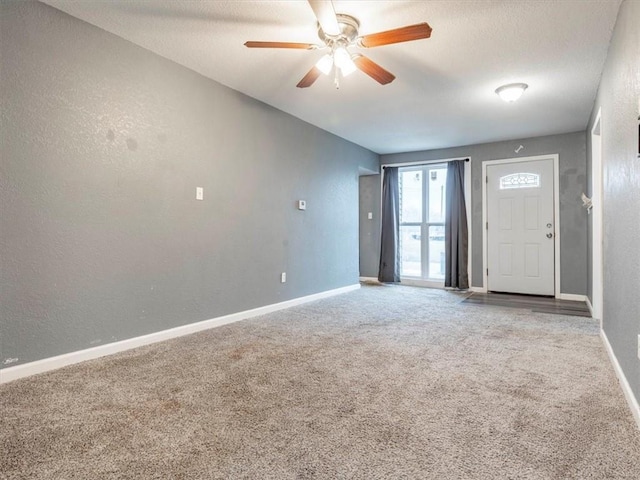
283,277
370,215
199,193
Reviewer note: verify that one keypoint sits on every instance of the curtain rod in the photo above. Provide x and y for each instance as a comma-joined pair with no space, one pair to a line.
425,162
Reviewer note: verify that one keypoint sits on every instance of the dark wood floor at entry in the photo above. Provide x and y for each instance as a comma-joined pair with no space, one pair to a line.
530,302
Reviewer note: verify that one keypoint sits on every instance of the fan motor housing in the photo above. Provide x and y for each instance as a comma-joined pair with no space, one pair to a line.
348,30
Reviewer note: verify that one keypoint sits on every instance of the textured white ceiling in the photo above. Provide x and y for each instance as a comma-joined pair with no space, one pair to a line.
444,91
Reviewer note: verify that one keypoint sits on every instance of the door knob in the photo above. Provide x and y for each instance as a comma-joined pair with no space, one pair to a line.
549,235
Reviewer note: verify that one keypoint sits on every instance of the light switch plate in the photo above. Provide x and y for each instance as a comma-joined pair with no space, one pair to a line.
199,193
302,205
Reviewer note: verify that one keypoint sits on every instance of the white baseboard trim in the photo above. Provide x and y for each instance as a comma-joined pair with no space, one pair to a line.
40,366
369,279
589,306
626,388
572,296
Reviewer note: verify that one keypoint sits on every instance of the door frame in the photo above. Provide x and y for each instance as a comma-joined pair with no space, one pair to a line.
556,214
597,238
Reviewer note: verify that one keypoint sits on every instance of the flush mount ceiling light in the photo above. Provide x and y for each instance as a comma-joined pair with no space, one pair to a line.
512,91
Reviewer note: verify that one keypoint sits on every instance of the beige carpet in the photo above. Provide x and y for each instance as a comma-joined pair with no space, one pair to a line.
384,382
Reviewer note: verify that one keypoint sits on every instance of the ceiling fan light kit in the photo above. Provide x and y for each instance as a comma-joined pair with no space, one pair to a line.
339,32
342,60
511,92
325,64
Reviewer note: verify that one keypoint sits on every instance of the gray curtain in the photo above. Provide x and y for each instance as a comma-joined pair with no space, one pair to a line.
455,229
389,270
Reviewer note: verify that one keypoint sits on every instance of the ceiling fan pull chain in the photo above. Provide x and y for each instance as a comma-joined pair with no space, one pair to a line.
336,78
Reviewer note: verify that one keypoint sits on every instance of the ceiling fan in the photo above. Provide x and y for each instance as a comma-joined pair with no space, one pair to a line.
339,32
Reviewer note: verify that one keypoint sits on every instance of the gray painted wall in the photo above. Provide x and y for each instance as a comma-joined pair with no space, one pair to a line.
103,145
573,235
619,98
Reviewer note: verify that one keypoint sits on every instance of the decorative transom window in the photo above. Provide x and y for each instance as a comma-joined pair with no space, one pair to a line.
520,180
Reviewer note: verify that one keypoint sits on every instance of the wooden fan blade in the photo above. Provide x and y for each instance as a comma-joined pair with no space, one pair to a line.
397,35
304,46
326,16
311,76
374,70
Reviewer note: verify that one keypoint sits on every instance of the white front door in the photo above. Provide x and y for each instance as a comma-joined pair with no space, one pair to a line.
521,227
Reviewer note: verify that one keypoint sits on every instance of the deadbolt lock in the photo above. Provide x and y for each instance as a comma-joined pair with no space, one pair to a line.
549,225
